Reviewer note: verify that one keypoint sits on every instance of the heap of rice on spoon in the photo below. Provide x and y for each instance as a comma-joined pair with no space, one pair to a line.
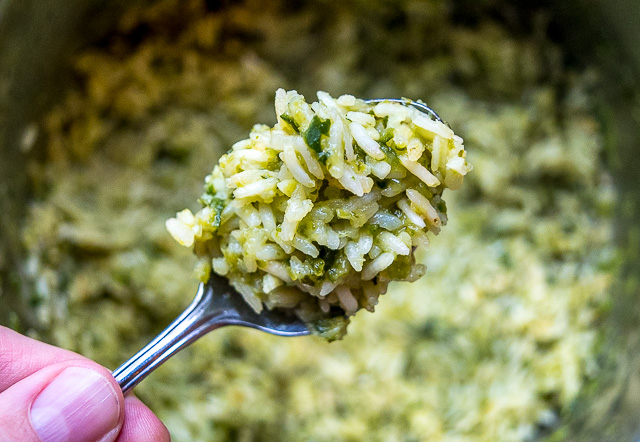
321,211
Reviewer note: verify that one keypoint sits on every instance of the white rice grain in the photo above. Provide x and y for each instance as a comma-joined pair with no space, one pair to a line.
180,232
305,246
424,206
381,170
347,300
416,219
241,145
281,103
348,142
366,183
186,217
419,171
386,220
313,166
368,144
278,269
436,152
264,189
333,239
355,251
392,243
376,266
356,259
327,287
296,210
415,148
290,159
327,100
365,242
249,215
351,181
253,155
456,169
430,126
220,266
270,252
324,305
361,118
347,100
396,113
336,145
247,293
285,245
266,217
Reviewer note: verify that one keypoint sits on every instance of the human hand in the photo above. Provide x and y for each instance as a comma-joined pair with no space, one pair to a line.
51,394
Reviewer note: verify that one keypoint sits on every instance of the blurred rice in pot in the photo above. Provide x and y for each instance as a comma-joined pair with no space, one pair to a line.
494,343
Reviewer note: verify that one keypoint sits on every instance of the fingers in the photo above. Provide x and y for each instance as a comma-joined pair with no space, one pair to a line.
21,357
47,393
140,424
72,400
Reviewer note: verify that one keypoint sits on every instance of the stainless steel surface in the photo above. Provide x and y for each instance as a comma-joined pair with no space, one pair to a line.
215,305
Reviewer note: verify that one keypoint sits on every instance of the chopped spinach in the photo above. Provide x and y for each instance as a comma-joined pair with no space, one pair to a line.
314,133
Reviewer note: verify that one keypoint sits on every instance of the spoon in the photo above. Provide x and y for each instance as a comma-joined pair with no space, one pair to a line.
406,102
216,305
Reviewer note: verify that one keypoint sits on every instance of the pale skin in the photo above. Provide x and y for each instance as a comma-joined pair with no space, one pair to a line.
29,367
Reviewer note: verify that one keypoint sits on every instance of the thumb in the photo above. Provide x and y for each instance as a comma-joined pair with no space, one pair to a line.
73,400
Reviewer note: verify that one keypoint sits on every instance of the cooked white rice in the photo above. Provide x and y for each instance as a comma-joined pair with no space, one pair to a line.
316,203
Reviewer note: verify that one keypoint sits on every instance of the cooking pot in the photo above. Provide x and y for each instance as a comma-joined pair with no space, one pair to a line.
37,39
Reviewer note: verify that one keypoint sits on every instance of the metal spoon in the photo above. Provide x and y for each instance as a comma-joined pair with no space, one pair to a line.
215,305
405,101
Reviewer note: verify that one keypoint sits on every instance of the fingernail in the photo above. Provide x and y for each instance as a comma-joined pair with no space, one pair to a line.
79,404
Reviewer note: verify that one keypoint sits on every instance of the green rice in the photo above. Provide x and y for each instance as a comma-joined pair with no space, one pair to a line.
319,213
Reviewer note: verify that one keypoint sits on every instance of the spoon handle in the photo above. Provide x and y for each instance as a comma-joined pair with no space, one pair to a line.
197,320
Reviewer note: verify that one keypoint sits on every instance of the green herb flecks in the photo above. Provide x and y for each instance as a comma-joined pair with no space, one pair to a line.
386,135
400,269
208,200
442,207
332,328
314,132
323,156
289,119
339,269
